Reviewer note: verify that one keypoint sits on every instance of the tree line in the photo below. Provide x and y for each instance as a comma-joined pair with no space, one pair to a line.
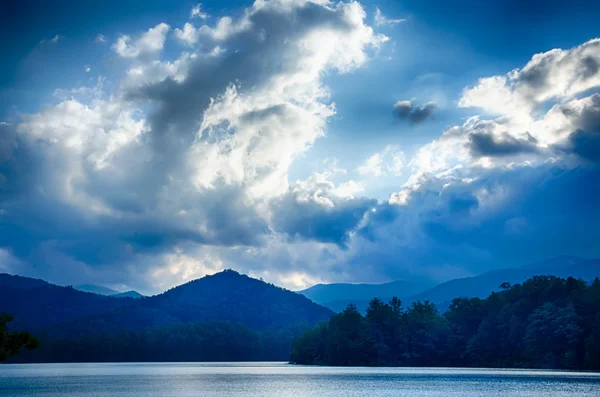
204,341
546,322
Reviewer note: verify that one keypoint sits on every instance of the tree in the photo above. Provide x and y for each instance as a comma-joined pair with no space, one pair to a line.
546,322
349,341
13,341
552,336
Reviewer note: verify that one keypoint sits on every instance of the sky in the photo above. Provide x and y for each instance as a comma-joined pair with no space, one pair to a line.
297,141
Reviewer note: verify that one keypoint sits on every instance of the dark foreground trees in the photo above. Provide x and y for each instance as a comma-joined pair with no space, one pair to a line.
546,322
206,341
13,341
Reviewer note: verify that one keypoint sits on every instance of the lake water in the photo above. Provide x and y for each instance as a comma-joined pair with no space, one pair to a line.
278,379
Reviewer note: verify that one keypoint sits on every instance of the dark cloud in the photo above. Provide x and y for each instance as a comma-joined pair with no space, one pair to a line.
482,144
584,141
407,110
468,228
585,144
313,221
589,67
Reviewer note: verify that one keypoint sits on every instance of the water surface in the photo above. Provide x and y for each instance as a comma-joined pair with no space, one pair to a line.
279,379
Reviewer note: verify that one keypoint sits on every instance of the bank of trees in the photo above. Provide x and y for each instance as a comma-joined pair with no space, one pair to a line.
546,322
206,341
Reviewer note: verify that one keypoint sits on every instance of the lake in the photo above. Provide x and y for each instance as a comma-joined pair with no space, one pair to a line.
279,379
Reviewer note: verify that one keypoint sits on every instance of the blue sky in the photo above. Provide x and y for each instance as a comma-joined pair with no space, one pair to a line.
297,141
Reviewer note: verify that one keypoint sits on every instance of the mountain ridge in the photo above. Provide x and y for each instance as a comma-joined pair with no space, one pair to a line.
97,289
327,293
480,285
225,296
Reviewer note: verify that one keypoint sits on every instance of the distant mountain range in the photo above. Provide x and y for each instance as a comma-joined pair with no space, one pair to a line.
128,294
100,290
482,285
338,296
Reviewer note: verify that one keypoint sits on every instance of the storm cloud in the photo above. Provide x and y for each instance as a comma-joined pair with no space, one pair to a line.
415,114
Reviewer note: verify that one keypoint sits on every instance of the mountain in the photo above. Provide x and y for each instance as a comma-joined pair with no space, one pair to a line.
337,296
128,294
9,280
96,289
482,285
100,290
226,316
37,303
225,296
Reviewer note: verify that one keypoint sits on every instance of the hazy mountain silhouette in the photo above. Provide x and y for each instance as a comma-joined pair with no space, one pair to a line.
36,303
97,289
482,285
337,296
128,294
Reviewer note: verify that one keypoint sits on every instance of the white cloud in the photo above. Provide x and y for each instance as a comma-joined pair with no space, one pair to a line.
53,40
550,75
523,134
390,161
188,34
196,12
100,38
197,149
149,42
382,20
349,189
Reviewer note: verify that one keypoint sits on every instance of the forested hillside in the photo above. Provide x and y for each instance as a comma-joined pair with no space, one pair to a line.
546,322
226,316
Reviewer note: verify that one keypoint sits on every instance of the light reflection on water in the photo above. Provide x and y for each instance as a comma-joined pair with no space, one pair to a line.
279,379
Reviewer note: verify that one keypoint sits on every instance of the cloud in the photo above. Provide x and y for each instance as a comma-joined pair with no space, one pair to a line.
149,42
485,193
586,144
407,110
196,12
500,141
584,141
485,144
553,74
100,38
500,218
390,161
188,34
187,155
315,209
381,20
53,40
182,168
